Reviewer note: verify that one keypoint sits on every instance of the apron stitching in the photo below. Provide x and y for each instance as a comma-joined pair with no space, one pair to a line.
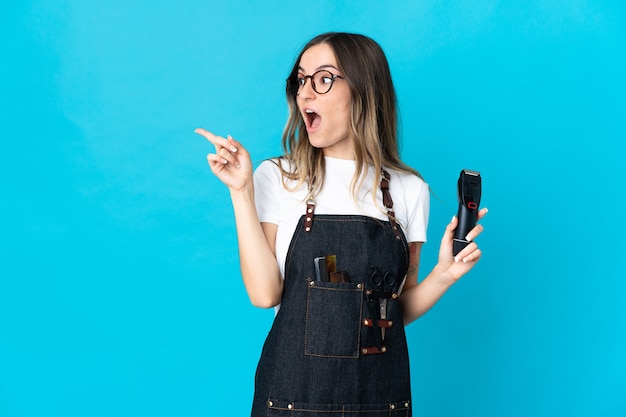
306,324
306,327
358,343
391,408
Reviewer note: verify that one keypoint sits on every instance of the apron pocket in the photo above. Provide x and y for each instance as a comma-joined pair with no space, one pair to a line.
333,319
277,408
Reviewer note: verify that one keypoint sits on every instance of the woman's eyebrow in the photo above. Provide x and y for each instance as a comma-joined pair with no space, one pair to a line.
321,67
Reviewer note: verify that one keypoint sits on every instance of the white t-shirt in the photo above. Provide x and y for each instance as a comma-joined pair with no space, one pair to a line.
277,205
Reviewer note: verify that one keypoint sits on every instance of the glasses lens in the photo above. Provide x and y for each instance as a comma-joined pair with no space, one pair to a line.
323,80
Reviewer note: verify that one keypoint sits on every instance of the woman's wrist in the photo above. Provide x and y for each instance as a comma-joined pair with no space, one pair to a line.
244,194
443,275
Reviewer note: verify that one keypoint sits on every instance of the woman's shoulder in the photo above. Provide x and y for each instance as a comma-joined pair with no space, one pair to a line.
407,179
273,171
274,165
267,173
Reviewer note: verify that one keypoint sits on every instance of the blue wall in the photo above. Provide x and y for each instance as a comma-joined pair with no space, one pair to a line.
119,286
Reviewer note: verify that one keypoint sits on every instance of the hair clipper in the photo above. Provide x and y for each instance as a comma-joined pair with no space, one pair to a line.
469,190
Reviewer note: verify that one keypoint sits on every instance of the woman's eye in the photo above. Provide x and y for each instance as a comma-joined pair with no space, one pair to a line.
327,80
301,81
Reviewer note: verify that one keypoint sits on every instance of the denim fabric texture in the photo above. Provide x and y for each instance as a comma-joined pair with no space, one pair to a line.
278,408
312,362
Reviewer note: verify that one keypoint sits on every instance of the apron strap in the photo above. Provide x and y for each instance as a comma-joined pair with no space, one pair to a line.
387,202
308,219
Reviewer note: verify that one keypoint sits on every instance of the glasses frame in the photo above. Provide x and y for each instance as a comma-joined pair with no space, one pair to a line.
295,85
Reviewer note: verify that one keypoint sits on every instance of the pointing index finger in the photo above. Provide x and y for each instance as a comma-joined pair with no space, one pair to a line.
218,141
207,135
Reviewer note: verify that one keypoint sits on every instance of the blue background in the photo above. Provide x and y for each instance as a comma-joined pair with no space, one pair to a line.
120,293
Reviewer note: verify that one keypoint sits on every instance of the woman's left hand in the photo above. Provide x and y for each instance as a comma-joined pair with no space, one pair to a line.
230,163
457,266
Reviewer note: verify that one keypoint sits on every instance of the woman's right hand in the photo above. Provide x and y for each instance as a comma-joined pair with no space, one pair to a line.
230,163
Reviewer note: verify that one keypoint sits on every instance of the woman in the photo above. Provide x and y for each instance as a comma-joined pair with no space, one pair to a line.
338,197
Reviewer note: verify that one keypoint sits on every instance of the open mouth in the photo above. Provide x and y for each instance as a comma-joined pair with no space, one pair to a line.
312,120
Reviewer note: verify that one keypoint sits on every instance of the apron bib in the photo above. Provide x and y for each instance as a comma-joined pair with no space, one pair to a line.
330,350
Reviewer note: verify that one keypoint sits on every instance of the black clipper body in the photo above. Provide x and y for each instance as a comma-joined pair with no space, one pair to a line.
469,191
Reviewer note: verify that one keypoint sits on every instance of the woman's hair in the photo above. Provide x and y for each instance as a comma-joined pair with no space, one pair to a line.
373,115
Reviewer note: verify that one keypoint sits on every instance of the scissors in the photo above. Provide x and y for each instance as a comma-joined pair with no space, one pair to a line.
383,285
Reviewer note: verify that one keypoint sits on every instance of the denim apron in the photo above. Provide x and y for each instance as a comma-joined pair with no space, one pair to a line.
329,352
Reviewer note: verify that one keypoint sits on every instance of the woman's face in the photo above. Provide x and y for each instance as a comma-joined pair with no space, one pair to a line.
326,116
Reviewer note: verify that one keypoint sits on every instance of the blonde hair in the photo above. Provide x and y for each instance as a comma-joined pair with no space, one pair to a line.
373,117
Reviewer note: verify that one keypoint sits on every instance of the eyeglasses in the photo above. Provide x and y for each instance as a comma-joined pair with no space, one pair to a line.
321,81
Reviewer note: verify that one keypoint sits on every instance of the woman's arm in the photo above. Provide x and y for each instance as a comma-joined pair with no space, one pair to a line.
232,165
417,298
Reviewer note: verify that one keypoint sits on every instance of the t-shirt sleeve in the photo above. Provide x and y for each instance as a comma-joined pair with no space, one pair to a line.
267,185
417,196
